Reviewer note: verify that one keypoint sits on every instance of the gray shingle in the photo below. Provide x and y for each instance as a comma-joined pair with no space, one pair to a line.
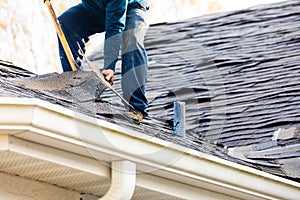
237,72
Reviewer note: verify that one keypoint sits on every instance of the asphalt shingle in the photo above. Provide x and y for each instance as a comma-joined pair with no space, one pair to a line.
238,73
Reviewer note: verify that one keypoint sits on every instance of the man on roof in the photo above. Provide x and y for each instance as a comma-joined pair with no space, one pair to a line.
125,24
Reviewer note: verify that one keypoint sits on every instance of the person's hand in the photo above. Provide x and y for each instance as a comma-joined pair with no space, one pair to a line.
109,75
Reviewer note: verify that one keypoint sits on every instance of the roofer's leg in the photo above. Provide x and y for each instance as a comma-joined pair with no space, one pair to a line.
78,24
134,58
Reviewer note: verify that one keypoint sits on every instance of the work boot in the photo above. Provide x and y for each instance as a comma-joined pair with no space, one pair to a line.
136,116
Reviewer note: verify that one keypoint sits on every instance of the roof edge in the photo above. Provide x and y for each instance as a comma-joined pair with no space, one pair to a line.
43,122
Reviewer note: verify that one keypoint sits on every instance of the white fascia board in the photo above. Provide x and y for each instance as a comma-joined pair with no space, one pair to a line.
47,124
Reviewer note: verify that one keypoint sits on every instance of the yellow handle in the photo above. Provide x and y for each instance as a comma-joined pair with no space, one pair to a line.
61,36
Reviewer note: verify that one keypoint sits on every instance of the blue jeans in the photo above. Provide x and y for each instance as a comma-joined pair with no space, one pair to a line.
78,24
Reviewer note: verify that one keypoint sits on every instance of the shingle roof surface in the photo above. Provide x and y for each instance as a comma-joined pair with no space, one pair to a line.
238,73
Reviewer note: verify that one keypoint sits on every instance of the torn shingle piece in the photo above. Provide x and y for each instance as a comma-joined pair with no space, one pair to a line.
289,134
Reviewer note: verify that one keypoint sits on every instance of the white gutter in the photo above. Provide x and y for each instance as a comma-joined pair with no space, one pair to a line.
123,177
25,118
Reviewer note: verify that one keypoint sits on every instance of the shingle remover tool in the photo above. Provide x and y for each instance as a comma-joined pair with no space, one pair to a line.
136,114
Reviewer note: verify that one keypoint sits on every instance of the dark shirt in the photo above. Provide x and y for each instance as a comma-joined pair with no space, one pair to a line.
114,14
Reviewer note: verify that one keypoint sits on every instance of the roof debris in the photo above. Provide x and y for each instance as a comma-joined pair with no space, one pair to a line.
237,72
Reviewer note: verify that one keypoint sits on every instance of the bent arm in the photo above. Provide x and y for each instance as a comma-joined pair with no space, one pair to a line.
115,24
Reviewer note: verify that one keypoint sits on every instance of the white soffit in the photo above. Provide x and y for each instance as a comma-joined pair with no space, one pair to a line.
60,168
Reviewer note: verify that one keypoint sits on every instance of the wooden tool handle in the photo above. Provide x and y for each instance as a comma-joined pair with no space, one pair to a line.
61,36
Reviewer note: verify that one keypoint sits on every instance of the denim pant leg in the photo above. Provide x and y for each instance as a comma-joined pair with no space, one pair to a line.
78,24
135,60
